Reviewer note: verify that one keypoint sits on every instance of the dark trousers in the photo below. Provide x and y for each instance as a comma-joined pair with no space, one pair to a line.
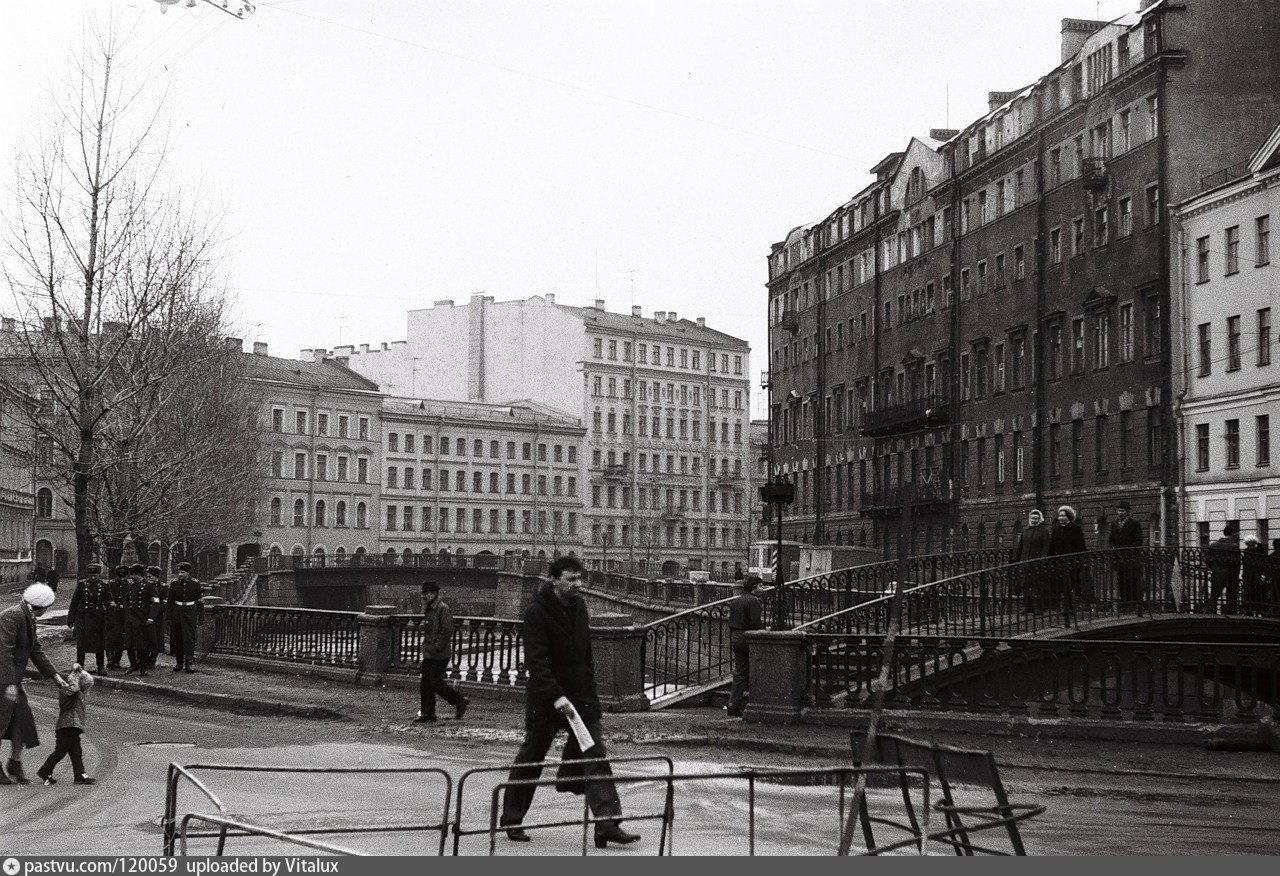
183,651
602,794
68,744
1129,585
433,684
1224,581
99,655
741,669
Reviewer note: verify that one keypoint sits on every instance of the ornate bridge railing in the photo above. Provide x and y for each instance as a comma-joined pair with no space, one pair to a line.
300,635
1050,678
485,649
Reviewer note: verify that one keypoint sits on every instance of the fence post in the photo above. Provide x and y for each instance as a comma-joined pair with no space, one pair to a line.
617,649
207,634
376,643
779,676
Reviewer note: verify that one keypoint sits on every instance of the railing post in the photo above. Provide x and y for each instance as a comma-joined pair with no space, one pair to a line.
376,644
779,676
207,634
617,649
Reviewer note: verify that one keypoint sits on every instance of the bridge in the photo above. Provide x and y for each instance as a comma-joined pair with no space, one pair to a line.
1139,634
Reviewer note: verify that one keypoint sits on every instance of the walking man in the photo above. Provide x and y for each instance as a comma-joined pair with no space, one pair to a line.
557,655
437,649
18,646
87,616
1125,532
746,613
185,614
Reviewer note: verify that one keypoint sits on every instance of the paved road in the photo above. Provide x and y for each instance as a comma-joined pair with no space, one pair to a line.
131,741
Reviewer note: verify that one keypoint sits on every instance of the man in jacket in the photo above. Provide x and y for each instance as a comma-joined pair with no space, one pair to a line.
117,627
18,646
1126,533
557,656
746,613
437,649
1253,558
186,612
1224,569
1032,544
87,615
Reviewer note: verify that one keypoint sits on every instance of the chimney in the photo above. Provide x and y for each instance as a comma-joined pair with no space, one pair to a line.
320,354
443,302
550,297
659,316
259,348
1074,32
305,356
671,317
999,98
702,322
635,311
235,344
599,305
364,348
344,361
384,345
942,134
6,324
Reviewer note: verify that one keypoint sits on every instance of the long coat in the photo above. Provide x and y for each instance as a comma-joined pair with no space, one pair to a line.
87,615
140,606
437,631
19,645
162,619
1065,540
186,612
557,656
117,626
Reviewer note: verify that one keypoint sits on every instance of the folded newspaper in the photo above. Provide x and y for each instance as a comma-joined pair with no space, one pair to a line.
576,724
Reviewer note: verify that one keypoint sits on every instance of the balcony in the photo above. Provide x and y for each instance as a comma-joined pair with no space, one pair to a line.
1093,176
616,472
728,479
932,410
790,321
673,513
1224,176
933,494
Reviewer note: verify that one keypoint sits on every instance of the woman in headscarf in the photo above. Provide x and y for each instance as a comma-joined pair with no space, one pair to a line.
18,645
1067,538
1032,544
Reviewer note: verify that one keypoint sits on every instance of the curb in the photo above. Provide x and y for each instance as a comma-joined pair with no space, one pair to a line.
223,701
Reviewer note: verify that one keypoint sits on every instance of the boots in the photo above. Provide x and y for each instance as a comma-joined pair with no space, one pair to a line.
612,832
16,775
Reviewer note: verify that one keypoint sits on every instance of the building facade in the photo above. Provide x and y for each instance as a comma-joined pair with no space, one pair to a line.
1229,391
322,443
985,327
664,401
462,478
18,497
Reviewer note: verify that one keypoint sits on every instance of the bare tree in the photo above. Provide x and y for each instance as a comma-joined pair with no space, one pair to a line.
114,281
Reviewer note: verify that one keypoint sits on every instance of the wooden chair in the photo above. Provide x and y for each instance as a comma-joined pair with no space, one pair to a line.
948,767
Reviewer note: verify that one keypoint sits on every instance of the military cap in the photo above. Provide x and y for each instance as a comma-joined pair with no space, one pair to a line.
137,567
184,567
92,568
153,570
122,570
430,587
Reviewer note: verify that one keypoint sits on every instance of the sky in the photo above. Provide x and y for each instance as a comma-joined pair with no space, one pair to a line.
369,157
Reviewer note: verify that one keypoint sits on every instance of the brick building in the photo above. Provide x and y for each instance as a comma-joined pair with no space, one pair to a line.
985,327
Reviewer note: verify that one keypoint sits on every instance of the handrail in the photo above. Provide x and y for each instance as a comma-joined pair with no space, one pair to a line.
703,607
258,830
177,771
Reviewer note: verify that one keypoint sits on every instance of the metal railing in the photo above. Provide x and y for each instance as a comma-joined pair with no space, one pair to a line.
929,409
277,562
486,650
298,635
1050,678
1224,176
687,649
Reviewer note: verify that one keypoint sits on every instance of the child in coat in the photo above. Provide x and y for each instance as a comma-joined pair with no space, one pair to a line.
70,727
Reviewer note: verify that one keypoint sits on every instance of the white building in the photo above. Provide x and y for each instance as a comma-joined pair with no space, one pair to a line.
1230,364
664,401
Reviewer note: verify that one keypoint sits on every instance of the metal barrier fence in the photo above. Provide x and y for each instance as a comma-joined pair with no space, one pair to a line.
300,635
1048,678
485,649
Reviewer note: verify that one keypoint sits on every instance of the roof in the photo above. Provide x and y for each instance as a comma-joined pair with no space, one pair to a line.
521,411
321,375
686,331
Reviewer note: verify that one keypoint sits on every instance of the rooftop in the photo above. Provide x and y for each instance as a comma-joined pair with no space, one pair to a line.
327,374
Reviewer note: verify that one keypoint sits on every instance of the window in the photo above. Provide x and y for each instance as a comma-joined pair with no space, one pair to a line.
1077,448
1055,246
1233,343
277,419
1202,259
1100,442
1055,351
300,422
277,464
1126,439
1019,265
300,465
1101,339
999,459
1126,139
1077,236
1101,233
322,426
393,442
1077,345
343,425
1232,239
1202,447
275,512
1055,449
342,468
362,515
1126,332
44,503
1231,437
391,518
1264,336
364,428
362,470
340,514
1154,343
1126,217
1262,228
1153,205
1206,350
1017,360
1153,116
597,345
392,479
299,513
1263,423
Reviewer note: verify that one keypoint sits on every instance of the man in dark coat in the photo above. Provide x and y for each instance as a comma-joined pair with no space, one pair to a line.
437,649
1273,577
557,656
52,577
1126,533
88,616
140,612
18,646
746,613
1032,544
1224,569
161,600
186,612
117,627
1253,589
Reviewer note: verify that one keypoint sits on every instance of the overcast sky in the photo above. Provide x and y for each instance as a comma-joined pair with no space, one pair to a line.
373,156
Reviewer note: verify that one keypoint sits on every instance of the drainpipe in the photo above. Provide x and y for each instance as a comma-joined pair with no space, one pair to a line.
1041,424
1184,316
1165,295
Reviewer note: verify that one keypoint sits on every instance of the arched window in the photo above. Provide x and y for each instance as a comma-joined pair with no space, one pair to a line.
406,556
275,550
340,514
339,551
298,550
362,516
299,513
275,512
360,551
44,503
320,509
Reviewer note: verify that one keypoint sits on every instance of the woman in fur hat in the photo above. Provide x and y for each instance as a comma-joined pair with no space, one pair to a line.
1066,539
18,646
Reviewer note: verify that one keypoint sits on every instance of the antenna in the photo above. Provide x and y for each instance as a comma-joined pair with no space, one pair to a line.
340,320
948,106
633,273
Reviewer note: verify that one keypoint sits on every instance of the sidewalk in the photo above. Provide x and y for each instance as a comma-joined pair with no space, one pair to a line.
387,710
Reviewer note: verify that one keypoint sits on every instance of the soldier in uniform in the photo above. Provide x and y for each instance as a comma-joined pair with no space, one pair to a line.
185,614
88,616
161,601
140,611
117,630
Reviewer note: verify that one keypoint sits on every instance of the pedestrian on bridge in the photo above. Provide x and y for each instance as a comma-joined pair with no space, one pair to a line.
437,649
746,613
1223,556
1032,544
557,656
18,646
1253,591
1067,542
1126,533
